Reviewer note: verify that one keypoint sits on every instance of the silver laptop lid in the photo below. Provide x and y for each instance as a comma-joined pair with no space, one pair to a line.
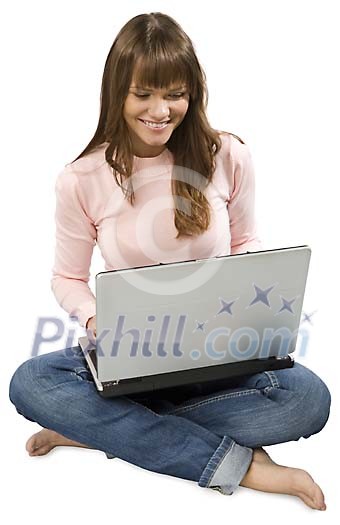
165,318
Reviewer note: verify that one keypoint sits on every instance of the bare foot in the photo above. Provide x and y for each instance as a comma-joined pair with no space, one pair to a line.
266,475
42,442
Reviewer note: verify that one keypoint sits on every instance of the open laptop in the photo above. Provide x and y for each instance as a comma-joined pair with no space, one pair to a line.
168,325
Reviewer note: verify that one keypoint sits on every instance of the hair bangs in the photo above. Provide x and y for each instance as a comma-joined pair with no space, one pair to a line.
161,70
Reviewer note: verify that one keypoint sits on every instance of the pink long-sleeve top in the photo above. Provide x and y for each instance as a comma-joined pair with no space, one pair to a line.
91,208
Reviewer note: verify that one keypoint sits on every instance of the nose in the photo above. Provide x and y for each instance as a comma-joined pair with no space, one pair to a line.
158,109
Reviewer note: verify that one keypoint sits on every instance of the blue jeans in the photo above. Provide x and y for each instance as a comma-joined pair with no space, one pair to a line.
204,432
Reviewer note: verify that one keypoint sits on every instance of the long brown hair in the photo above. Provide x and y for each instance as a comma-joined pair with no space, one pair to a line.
160,53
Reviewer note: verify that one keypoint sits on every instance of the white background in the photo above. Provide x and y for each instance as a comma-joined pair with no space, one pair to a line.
272,78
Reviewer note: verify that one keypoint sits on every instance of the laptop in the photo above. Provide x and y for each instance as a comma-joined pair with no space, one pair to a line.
168,325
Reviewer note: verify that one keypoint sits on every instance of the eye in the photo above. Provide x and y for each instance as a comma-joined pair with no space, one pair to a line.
171,95
177,95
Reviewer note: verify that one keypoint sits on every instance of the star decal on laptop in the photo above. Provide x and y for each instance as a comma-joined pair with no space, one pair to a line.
200,326
226,307
287,305
261,295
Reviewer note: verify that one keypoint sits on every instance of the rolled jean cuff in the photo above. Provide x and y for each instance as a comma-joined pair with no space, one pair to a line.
227,467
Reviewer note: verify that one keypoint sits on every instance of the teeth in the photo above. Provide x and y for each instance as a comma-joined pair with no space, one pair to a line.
153,125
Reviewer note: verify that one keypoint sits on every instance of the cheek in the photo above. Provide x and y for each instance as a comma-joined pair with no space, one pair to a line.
130,108
125,111
183,108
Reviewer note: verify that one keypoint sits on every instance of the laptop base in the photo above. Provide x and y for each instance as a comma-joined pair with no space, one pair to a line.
184,377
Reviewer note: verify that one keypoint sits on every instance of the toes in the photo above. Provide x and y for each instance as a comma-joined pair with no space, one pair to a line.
315,500
319,498
31,445
311,503
34,442
40,451
37,445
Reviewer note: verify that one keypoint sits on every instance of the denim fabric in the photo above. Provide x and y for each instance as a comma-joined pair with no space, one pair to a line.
204,432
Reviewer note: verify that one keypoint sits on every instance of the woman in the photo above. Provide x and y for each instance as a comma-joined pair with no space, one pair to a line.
153,141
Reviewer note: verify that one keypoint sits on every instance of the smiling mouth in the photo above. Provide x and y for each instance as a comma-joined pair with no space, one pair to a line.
155,125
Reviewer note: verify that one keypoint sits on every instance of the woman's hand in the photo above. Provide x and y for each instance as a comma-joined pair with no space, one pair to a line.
91,325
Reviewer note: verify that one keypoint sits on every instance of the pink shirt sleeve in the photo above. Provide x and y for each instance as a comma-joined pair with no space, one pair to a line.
241,205
75,240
